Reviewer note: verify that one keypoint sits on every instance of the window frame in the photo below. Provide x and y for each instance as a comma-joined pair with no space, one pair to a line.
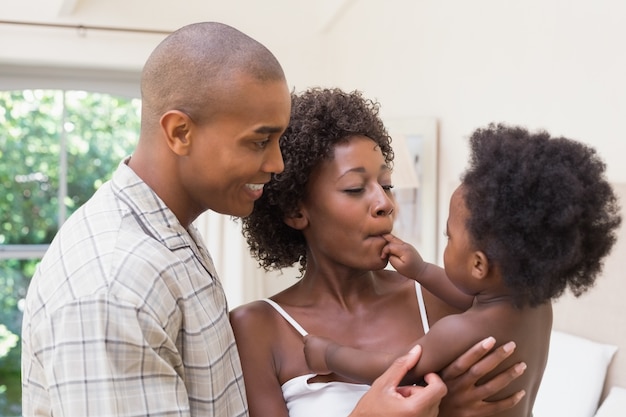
125,83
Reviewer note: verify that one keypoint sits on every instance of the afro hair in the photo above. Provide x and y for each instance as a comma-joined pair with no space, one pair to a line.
320,120
541,209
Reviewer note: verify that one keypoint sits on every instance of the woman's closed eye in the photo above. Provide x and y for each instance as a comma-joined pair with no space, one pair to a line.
358,190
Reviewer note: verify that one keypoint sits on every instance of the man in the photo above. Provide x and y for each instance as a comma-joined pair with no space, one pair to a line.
125,315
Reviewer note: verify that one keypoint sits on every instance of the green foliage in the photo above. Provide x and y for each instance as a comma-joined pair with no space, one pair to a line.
40,131
8,340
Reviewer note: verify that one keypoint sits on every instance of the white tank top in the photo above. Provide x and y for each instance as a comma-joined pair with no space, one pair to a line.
328,399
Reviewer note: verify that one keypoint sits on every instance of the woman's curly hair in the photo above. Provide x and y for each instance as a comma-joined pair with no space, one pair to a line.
541,209
320,120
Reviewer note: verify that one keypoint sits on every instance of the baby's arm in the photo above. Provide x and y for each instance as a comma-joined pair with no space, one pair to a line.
447,340
407,261
324,356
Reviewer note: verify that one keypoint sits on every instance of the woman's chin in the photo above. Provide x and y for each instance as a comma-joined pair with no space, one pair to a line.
381,264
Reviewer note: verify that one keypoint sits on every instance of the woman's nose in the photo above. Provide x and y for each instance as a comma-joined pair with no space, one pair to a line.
383,212
385,205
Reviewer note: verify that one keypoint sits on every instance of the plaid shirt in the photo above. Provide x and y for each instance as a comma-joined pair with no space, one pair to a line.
126,316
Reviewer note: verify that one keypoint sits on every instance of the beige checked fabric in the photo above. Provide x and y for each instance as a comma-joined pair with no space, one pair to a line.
126,316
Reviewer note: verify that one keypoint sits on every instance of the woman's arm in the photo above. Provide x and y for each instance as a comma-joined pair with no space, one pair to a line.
254,334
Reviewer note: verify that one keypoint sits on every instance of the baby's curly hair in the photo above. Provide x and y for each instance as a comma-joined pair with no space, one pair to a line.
320,120
541,209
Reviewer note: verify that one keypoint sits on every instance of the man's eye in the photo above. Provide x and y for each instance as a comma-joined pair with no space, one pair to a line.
262,144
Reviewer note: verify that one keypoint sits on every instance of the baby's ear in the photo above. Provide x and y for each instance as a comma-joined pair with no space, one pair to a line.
297,220
480,265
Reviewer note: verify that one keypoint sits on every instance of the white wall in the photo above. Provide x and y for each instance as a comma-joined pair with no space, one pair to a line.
553,64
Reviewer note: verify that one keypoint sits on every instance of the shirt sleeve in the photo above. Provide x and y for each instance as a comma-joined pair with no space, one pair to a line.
101,357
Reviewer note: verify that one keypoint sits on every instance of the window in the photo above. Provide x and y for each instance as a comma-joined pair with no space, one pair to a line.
57,146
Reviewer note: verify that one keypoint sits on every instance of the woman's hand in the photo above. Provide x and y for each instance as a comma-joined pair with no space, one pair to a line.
385,398
467,399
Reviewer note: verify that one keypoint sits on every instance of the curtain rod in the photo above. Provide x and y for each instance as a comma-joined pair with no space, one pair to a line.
84,28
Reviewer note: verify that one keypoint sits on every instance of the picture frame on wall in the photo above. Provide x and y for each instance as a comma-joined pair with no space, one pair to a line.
415,179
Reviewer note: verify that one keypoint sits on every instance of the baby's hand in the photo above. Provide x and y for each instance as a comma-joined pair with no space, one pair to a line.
315,348
403,257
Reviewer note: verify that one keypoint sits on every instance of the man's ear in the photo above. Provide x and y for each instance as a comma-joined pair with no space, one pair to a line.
177,127
297,220
480,265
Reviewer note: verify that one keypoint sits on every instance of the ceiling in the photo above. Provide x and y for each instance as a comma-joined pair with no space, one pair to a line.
276,21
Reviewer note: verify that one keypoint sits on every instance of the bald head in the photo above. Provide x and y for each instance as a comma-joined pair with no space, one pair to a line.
192,68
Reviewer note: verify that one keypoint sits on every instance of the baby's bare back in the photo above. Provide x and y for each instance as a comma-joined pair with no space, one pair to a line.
530,329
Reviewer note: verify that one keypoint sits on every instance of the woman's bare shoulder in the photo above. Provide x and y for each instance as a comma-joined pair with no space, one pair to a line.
256,326
253,314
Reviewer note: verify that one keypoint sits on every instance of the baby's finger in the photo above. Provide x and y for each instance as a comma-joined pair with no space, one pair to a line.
391,238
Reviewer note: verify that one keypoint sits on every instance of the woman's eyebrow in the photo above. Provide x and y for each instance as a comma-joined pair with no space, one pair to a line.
362,170
359,170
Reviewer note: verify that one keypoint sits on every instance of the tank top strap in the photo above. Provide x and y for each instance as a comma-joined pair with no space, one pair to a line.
300,329
422,307
287,317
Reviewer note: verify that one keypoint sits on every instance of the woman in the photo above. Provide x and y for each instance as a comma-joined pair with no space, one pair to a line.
328,212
